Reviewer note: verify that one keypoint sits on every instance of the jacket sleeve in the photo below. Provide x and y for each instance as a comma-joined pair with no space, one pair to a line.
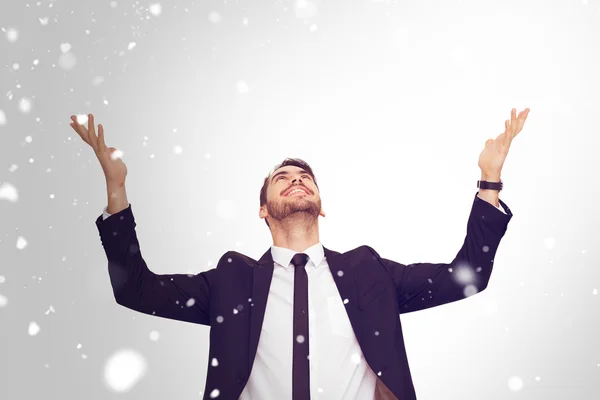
424,285
183,297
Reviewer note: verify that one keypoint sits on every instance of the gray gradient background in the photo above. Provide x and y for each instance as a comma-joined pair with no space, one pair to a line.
390,102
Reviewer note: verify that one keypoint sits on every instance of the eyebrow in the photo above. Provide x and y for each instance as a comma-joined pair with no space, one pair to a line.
285,173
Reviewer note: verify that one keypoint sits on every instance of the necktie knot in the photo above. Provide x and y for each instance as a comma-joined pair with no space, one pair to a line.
299,260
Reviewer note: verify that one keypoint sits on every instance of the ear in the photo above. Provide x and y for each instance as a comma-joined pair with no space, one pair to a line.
322,213
262,212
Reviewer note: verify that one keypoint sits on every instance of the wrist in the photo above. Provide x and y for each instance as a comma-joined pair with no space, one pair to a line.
490,176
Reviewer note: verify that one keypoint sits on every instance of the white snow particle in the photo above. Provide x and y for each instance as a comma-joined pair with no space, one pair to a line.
8,192
34,328
21,243
155,9
97,81
65,47
214,17
470,290
12,35
67,61
25,105
124,369
464,274
515,383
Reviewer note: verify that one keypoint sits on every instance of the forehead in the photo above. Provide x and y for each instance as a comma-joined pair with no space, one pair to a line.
287,168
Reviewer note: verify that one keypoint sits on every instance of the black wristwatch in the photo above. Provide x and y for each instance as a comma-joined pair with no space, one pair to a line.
490,185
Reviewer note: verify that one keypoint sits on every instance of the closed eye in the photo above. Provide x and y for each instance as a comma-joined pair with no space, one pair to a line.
282,176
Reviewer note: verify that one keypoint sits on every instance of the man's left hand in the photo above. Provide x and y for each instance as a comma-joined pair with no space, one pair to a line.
493,155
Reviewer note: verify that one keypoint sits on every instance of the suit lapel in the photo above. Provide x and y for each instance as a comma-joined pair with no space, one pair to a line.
262,274
343,276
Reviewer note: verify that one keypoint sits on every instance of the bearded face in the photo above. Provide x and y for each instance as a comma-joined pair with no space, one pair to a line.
292,194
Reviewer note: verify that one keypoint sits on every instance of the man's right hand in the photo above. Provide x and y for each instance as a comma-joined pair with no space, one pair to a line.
114,168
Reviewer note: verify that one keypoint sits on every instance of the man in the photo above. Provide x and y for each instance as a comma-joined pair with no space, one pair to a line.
303,321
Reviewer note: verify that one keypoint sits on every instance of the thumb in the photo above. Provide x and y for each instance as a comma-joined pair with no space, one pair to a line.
487,143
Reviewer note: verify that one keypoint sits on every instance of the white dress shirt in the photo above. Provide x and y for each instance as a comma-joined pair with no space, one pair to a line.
338,369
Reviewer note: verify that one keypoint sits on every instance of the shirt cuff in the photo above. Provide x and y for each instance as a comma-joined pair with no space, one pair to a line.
499,206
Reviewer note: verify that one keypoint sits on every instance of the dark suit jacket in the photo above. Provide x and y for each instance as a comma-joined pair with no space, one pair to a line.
377,289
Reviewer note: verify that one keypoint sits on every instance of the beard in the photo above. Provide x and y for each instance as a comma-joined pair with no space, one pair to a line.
298,210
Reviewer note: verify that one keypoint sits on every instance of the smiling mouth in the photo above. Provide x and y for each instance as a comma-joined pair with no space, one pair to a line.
300,192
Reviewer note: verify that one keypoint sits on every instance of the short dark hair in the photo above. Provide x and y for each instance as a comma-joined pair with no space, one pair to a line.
296,162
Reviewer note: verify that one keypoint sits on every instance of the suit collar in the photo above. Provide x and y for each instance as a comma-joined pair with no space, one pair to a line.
283,256
334,259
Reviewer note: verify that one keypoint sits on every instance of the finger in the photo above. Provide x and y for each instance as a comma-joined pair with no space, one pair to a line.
523,117
80,129
502,139
92,133
79,126
101,144
521,120
510,128
513,122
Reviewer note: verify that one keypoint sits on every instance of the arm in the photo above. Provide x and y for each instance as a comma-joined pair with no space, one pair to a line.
176,296
424,285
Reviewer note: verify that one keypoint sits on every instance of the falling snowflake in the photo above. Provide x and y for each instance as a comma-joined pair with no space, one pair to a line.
124,369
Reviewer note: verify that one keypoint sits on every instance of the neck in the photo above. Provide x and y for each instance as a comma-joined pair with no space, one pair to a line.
295,234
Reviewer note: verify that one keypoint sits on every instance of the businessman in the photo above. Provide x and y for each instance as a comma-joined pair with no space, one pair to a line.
303,321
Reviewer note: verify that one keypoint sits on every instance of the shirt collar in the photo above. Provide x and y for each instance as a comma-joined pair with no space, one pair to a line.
283,256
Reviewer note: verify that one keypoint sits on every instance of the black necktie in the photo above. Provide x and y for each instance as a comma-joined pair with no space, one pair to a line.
300,364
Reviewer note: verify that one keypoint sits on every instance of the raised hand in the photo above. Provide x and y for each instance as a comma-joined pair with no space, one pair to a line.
493,155
114,168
